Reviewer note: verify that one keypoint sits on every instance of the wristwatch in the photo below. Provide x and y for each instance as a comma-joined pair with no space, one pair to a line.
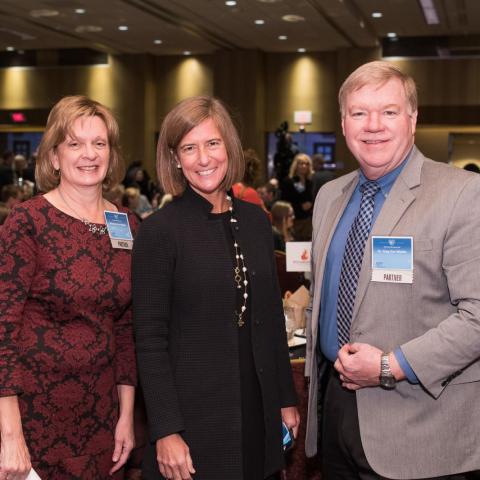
387,380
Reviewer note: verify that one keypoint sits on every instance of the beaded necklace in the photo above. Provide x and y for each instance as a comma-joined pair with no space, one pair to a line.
240,271
92,227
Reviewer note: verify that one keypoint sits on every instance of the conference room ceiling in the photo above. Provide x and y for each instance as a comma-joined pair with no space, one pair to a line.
172,27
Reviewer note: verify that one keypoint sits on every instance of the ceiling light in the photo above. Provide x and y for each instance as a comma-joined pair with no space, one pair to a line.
10,49
157,41
293,18
80,11
187,52
282,37
391,34
259,22
269,1
123,28
230,3
429,12
44,12
377,14
301,50
88,29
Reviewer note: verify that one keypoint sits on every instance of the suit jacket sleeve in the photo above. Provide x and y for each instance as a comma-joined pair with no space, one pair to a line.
152,286
443,352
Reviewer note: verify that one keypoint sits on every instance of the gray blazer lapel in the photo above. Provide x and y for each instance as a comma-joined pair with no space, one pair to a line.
401,196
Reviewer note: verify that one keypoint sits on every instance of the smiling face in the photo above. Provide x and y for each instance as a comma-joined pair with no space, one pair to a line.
203,157
83,157
379,127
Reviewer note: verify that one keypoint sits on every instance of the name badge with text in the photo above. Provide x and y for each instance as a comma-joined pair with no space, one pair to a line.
392,259
119,230
298,256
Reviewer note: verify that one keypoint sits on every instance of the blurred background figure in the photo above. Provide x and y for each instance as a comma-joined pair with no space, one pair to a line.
245,190
320,176
136,202
472,167
6,169
11,195
297,189
283,217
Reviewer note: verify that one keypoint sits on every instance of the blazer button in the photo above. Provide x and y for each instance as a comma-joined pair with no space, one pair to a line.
260,370
237,228
253,273
257,322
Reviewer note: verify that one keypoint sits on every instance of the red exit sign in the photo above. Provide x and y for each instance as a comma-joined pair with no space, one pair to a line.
18,117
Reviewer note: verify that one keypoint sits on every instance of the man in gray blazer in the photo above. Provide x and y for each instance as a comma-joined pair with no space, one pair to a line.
394,330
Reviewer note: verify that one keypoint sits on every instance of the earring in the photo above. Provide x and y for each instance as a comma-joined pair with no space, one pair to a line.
178,165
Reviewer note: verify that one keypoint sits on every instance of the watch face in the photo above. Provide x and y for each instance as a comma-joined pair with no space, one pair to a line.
387,381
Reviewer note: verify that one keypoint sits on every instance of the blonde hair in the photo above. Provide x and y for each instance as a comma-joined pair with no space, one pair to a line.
377,73
300,157
59,125
185,116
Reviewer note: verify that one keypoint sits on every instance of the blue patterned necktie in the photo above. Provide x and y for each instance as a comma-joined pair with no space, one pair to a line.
352,260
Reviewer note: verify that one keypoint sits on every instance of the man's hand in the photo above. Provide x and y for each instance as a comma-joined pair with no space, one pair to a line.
358,365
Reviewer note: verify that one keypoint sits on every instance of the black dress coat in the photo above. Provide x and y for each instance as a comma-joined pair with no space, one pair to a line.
187,335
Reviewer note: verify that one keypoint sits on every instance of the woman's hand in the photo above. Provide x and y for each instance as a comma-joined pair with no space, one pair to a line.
14,458
173,457
124,442
291,418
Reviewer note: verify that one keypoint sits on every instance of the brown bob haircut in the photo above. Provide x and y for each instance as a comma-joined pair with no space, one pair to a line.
59,125
185,116
377,73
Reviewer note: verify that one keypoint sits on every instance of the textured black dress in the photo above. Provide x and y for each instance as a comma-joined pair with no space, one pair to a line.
219,386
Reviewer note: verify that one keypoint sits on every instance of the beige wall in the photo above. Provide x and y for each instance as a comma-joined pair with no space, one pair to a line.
262,89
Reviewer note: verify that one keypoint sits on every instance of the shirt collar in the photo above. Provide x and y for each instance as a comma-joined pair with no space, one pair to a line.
386,182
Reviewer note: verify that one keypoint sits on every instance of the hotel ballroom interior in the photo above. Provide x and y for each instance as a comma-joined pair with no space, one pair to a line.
276,64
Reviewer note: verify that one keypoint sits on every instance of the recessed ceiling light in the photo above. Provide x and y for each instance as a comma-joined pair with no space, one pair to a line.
44,12
123,28
80,11
157,41
259,22
301,50
391,34
187,52
293,18
10,49
377,14
88,29
282,37
230,3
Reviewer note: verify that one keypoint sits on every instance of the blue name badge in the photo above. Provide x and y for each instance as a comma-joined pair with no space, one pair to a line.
119,230
392,259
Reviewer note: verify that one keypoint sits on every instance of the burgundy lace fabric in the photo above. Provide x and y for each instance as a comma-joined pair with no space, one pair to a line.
65,330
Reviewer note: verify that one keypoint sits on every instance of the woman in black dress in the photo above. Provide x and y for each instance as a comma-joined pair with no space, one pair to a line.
210,333
297,189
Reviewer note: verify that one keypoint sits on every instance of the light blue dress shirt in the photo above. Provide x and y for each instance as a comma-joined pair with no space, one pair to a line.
331,278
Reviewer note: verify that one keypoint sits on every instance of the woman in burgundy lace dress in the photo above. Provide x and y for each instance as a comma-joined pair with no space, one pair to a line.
67,364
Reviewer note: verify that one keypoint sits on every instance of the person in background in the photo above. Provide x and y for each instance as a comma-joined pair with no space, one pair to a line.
138,203
245,190
321,176
297,190
209,325
11,195
268,193
67,360
6,169
472,167
283,217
